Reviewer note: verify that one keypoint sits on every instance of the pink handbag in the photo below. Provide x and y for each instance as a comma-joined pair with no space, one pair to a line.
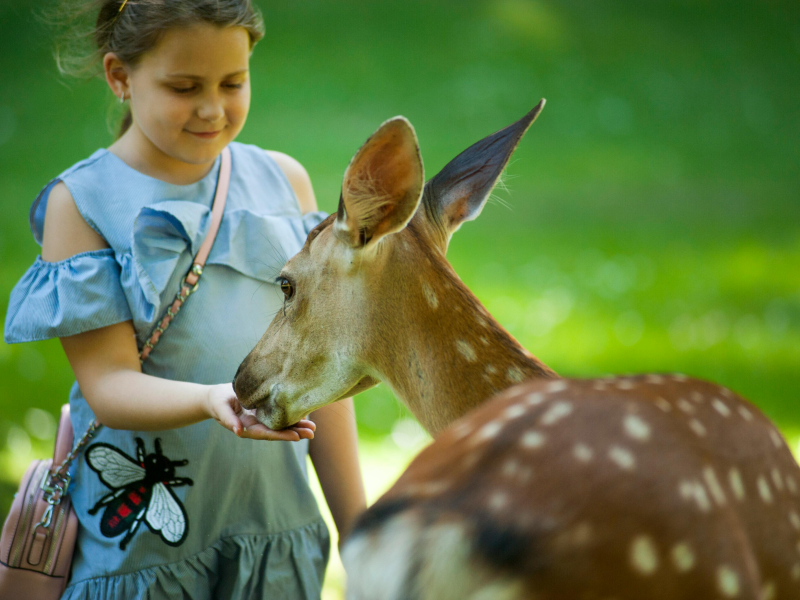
39,533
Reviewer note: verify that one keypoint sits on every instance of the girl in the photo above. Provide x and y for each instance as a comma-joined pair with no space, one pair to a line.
118,232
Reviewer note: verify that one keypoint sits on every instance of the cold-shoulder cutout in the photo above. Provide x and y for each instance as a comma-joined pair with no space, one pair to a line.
65,232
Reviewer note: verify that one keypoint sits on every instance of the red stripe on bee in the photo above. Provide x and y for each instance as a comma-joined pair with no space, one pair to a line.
135,498
113,521
123,511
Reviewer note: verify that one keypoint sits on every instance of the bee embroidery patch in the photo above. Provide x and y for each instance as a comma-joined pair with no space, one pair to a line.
140,489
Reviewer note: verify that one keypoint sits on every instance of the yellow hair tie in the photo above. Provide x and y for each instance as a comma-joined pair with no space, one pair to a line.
124,2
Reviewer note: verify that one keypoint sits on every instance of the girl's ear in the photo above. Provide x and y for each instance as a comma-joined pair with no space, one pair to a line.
382,185
116,75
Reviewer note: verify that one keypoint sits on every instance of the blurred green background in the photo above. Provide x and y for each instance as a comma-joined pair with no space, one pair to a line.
651,220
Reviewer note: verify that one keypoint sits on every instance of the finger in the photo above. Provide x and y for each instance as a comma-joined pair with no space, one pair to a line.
306,424
303,432
260,432
228,419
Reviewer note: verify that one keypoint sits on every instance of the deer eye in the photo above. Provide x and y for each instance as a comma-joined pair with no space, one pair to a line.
287,288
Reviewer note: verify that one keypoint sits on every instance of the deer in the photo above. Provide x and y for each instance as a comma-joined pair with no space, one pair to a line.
537,486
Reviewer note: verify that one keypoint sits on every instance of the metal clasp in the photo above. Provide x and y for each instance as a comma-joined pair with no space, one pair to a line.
191,291
46,518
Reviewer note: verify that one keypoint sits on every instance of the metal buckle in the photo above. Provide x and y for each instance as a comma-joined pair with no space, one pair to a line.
192,291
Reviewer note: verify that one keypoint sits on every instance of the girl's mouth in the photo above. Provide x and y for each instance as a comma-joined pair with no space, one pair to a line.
206,135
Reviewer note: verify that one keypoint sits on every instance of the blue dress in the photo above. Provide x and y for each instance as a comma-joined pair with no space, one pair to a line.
225,517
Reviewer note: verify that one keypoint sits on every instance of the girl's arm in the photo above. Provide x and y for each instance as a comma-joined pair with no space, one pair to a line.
106,360
334,450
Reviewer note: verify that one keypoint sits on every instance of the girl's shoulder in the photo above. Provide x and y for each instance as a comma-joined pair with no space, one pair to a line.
272,177
72,182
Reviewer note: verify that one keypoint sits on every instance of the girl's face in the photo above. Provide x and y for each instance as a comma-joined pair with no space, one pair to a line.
190,94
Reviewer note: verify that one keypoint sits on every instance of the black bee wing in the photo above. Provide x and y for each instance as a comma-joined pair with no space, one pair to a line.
166,515
115,468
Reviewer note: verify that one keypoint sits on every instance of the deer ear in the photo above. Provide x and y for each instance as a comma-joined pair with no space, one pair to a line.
460,190
382,185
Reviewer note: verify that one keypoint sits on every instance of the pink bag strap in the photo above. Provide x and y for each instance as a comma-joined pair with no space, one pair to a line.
189,284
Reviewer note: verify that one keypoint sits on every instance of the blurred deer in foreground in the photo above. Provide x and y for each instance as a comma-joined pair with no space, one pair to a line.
654,486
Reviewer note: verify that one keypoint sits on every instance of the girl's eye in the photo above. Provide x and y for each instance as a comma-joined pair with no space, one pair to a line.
287,288
183,90
234,86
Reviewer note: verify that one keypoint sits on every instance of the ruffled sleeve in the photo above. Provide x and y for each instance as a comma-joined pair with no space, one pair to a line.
58,299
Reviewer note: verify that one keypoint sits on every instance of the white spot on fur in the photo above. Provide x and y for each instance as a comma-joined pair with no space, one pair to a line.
654,379
663,404
794,520
534,398
679,377
625,384
791,484
599,385
696,396
777,479
514,374
532,439
726,392
481,322
557,386
582,452
622,457
644,555
466,350
721,407
736,484
682,557
514,411
686,406
796,572
429,488
713,486
430,295
763,490
746,414
776,439
510,467
556,412
694,490
498,501
636,428
484,340
727,581
697,427
489,431
462,430
490,369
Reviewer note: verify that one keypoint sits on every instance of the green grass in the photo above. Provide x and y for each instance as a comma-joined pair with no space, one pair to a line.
652,221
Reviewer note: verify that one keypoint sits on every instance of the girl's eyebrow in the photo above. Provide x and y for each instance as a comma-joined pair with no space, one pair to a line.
199,78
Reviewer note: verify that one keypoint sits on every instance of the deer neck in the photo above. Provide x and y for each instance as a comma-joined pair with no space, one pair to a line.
437,347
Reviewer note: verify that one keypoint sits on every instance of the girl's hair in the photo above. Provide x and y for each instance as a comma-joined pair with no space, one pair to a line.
137,28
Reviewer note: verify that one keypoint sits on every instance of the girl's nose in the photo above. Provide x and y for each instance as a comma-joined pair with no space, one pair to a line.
211,110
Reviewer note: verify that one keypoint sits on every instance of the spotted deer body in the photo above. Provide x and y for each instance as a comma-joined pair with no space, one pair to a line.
655,486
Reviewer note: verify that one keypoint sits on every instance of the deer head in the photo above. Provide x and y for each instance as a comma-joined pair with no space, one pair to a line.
371,297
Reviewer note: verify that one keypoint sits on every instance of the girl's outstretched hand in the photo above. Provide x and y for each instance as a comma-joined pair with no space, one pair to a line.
223,405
